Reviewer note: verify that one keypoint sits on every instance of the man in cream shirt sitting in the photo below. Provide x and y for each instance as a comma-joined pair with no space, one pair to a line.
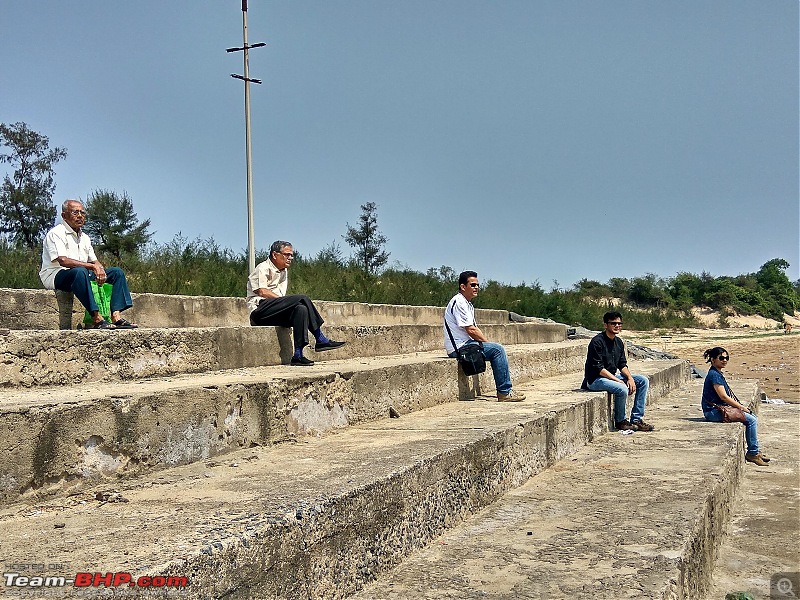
269,304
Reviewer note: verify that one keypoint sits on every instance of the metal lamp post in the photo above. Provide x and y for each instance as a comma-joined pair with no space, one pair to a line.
251,249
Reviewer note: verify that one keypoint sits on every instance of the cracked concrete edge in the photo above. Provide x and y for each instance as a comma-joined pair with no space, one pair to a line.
697,560
58,444
32,358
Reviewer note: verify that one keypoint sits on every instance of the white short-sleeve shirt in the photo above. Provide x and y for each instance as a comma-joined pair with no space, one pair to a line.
266,275
62,240
459,314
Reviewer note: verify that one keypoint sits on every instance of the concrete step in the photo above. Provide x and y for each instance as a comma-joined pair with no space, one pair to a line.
637,516
62,436
760,554
320,517
37,309
32,358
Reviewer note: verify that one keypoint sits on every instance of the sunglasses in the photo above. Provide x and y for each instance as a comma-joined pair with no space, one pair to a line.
724,357
474,285
615,323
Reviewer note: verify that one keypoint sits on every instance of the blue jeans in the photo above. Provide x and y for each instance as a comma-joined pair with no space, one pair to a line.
496,355
77,280
715,416
620,391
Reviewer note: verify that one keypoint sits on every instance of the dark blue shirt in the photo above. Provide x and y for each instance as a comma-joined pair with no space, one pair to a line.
710,397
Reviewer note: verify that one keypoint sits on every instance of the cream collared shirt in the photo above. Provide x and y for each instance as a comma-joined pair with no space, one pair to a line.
266,275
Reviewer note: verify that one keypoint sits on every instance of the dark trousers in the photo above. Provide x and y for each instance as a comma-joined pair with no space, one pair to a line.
297,312
77,280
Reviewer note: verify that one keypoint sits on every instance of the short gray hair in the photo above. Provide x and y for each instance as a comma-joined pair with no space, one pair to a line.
65,204
278,246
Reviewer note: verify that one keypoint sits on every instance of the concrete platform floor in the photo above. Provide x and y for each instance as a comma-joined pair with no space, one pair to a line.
763,538
316,518
628,516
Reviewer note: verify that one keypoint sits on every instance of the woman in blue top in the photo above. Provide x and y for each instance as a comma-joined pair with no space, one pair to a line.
716,391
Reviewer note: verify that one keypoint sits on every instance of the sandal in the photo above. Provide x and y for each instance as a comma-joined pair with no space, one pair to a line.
122,323
103,325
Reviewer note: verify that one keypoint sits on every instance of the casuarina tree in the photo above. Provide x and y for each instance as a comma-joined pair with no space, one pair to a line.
26,196
113,225
368,241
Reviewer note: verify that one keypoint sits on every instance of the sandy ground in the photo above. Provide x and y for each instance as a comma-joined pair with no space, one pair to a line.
772,357
710,318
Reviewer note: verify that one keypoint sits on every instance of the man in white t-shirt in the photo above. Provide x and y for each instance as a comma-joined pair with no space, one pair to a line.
269,304
459,317
70,264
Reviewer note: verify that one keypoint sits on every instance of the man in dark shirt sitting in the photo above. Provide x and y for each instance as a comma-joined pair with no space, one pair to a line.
607,370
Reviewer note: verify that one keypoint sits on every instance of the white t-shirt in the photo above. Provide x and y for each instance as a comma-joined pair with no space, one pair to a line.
62,240
266,275
459,314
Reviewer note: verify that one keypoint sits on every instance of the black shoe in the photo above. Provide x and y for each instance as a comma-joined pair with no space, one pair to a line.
302,361
329,345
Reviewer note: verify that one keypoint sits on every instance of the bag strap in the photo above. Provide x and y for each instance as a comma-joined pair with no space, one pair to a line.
721,406
450,333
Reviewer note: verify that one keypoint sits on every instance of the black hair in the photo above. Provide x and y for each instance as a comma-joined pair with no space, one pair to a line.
277,246
465,275
612,314
713,353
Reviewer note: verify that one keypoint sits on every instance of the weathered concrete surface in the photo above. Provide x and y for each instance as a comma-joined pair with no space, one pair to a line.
37,309
51,438
314,519
762,538
634,516
29,358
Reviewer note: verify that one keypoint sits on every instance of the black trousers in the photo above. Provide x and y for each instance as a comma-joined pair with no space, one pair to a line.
297,312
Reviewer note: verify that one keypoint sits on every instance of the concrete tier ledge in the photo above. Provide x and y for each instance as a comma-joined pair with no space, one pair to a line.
317,519
638,516
37,309
54,437
31,358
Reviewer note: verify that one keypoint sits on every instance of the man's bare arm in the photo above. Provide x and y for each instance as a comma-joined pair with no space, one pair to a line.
265,293
475,333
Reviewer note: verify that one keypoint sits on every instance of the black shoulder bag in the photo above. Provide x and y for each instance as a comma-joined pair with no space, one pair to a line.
469,356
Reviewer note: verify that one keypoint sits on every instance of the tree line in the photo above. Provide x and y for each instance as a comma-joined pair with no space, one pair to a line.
203,267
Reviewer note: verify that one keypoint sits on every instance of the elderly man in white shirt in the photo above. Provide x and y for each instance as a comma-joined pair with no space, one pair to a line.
70,264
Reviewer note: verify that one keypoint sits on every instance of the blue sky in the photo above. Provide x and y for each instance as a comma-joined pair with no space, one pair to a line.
535,140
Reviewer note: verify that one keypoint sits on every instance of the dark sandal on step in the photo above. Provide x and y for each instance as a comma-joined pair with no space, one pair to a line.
103,325
125,324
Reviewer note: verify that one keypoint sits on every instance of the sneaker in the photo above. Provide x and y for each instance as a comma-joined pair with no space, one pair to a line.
329,345
300,362
756,459
625,426
511,396
642,426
